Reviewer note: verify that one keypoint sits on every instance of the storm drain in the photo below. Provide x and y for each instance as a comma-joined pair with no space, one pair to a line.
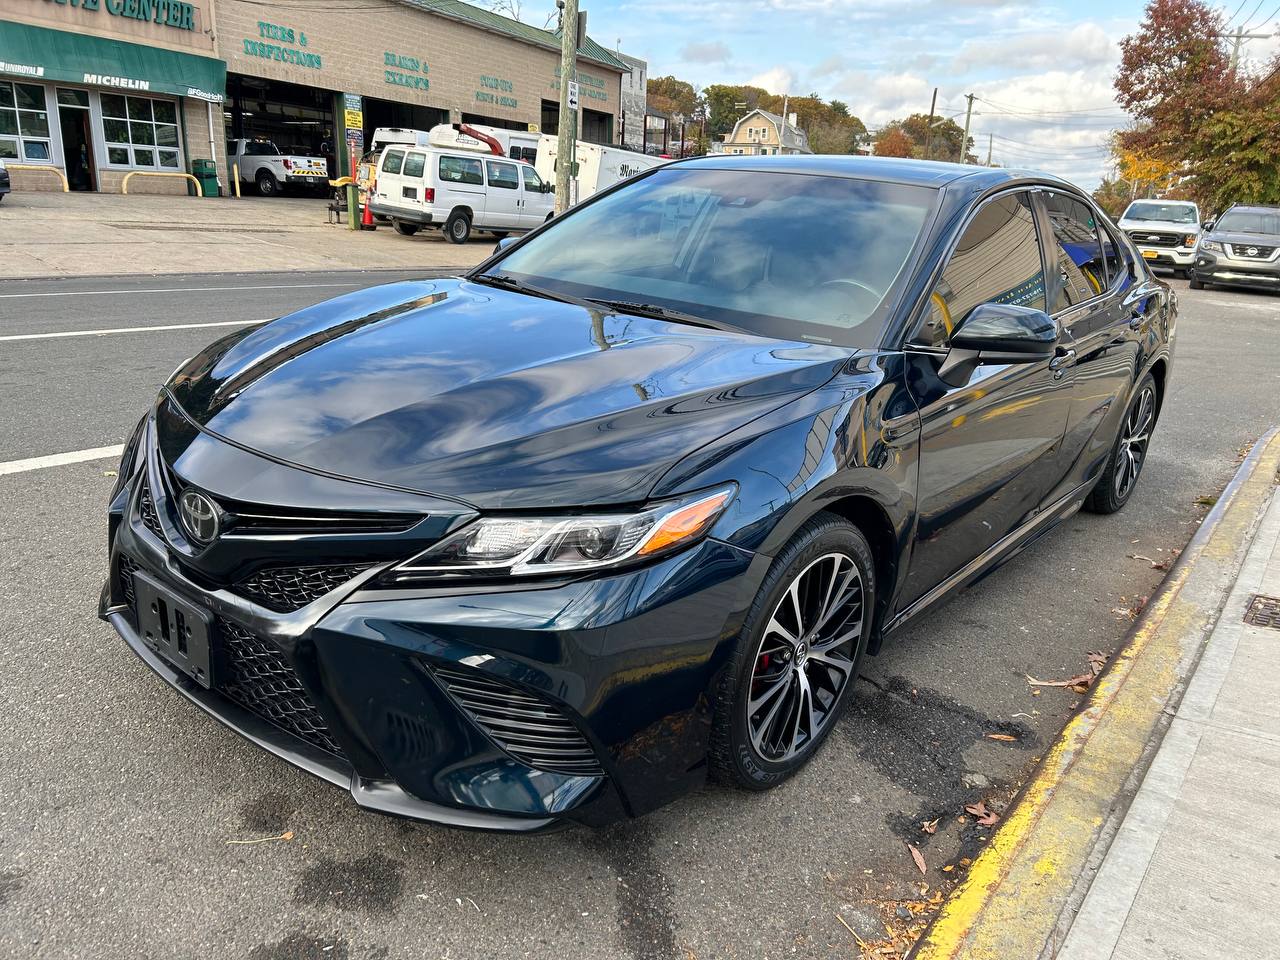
1263,612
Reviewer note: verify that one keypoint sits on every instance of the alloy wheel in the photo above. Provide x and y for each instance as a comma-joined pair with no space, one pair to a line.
805,658
1134,438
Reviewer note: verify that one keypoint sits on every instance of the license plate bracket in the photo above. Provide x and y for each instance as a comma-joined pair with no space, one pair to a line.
177,630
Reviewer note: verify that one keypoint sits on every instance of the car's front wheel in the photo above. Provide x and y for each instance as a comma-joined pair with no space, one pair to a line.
458,227
1195,283
1129,452
796,656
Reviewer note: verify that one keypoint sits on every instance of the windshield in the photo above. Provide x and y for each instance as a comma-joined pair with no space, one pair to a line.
784,255
1248,221
1169,212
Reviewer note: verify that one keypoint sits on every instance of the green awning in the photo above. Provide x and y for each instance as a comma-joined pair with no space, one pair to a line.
37,53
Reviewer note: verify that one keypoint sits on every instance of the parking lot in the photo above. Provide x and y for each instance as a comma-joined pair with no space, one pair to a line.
126,810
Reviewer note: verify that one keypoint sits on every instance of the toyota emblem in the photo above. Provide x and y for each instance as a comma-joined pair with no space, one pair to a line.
201,518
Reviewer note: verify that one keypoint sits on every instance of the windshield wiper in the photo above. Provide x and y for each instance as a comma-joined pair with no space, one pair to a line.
507,282
659,312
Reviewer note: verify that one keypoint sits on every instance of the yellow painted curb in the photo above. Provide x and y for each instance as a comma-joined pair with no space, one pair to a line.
1010,905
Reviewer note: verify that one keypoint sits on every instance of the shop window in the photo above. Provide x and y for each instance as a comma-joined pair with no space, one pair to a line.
140,132
24,122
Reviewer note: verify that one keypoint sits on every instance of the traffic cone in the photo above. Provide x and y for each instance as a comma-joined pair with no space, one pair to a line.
366,218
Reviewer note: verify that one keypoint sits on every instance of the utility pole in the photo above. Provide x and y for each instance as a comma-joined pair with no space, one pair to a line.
568,105
964,141
1238,37
928,137
991,140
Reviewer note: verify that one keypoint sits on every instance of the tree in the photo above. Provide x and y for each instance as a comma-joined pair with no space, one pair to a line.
1147,175
671,96
839,108
1113,196
894,142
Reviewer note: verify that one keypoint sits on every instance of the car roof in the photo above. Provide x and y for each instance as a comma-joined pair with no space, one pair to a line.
1253,208
927,173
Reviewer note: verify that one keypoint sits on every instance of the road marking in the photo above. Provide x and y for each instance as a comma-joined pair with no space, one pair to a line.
61,459
100,333
1236,304
107,293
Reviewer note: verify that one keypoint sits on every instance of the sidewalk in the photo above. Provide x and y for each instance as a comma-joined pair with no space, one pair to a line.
1151,828
1194,870
85,234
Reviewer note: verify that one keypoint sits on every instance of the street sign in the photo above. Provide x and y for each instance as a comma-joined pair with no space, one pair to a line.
573,94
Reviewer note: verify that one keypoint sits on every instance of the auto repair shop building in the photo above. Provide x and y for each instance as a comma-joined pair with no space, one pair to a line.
315,78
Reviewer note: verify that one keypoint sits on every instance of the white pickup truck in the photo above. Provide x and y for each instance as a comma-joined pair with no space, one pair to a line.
262,163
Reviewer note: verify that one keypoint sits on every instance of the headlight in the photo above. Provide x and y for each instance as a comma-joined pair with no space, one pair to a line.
533,546
1213,246
1189,240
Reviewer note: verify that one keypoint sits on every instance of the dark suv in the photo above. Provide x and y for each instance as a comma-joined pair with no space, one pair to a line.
1241,248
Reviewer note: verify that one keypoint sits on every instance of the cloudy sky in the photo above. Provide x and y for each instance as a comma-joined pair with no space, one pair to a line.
1043,71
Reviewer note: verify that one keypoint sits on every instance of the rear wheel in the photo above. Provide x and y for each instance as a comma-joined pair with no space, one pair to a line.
268,185
1195,284
1120,475
796,657
405,229
458,227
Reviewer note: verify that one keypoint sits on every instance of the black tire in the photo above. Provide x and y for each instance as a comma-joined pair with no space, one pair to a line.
405,229
1124,466
736,757
268,185
499,234
1194,283
458,227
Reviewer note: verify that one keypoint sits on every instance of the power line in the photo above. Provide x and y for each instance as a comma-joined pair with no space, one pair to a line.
1009,108
1236,14
1245,26
1274,14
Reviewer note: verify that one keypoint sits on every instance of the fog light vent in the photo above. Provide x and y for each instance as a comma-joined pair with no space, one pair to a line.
530,729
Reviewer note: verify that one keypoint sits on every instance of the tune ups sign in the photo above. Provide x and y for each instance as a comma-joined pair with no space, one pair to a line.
167,13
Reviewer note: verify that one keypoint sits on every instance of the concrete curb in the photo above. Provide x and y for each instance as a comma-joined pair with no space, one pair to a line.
1021,892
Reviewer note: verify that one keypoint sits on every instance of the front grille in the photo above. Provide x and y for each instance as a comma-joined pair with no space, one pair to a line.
1250,251
529,729
255,675
147,507
126,567
1153,238
285,589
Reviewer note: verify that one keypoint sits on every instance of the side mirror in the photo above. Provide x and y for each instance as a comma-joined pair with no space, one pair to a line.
1206,226
999,333
548,187
503,244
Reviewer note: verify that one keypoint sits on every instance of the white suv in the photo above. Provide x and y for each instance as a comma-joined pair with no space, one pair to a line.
1165,231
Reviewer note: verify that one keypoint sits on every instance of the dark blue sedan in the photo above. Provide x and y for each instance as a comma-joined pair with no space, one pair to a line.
624,507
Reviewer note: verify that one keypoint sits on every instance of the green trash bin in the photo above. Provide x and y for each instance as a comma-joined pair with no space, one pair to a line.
206,171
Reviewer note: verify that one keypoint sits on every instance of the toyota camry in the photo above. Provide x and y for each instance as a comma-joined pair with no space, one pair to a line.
623,508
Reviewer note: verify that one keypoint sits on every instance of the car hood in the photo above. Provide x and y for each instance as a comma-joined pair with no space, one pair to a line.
1158,226
488,396
1245,239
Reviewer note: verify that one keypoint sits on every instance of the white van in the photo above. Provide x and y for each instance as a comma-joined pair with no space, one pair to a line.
599,165
458,191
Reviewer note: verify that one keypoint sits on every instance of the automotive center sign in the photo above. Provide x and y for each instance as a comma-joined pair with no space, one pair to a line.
168,13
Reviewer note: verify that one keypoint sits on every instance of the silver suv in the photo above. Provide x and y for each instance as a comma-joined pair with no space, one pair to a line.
1165,231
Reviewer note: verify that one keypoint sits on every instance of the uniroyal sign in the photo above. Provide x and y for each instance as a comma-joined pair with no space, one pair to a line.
167,13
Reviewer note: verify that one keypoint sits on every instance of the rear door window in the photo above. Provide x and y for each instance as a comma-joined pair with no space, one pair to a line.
414,164
1082,273
461,170
996,261
503,175
392,161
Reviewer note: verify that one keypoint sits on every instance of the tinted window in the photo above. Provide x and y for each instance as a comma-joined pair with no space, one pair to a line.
392,161
461,170
1117,258
503,175
414,164
1248,221
1153,210
787,255
532,182
996,261
253,148
1081,272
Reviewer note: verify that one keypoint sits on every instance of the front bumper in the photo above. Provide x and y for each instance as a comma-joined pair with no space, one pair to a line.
1178,257
628,660
1237,271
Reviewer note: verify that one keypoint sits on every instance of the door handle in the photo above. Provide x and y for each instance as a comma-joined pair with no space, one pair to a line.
1064,357
1136,319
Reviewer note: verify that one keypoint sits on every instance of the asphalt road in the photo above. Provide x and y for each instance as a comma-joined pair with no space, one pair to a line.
119,802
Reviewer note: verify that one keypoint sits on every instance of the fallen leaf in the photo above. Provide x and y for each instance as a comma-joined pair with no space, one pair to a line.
1205,501
1002,737
918,857
929,826
980,812
948,868
109,473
